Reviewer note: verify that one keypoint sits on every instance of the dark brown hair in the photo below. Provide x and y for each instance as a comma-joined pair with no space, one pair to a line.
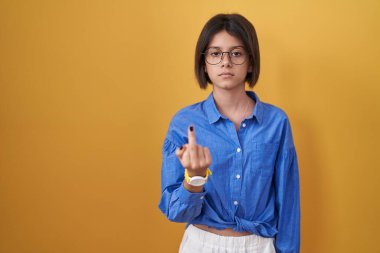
238,26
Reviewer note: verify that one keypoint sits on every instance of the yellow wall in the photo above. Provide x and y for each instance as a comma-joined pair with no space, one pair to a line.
87,89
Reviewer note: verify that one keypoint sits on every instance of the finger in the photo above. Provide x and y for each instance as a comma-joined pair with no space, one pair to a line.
183,155
201,156
207,156
179,152
193,153
185,161
191,135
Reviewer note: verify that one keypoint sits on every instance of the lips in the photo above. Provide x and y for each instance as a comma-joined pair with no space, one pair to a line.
226,74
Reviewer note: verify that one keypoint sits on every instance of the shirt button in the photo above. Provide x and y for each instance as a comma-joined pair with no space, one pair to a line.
244,124
202,197
238,149
236,203
237,176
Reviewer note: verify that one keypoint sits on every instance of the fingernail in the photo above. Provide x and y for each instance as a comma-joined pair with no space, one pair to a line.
191,128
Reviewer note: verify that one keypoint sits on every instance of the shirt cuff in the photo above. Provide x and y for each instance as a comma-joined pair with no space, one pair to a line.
192,198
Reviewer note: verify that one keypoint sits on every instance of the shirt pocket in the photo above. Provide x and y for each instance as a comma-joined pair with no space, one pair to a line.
264,158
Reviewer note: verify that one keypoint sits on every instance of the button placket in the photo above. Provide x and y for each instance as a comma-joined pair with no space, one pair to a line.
236,181
237,167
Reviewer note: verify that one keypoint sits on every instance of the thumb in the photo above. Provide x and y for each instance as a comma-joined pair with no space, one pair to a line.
179,151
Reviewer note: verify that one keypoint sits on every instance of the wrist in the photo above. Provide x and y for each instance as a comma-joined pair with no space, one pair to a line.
192,188
193,173
197,180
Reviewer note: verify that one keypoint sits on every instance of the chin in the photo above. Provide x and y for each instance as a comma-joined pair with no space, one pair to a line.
226,86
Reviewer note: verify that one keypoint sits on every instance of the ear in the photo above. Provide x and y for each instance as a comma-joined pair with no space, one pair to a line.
250,69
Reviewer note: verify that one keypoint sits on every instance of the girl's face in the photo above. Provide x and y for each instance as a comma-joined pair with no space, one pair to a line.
236,79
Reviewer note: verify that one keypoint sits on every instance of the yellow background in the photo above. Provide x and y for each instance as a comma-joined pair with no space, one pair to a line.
87,90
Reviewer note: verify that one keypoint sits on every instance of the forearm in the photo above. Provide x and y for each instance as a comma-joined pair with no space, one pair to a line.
182,205
288,203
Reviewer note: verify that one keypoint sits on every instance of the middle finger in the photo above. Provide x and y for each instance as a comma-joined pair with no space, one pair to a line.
194,157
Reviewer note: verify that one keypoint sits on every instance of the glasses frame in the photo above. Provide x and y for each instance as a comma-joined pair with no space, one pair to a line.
229,55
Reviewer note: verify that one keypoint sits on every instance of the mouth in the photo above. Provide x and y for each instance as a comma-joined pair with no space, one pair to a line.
226,74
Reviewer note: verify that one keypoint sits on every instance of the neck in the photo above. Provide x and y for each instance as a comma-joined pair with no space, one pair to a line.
233,102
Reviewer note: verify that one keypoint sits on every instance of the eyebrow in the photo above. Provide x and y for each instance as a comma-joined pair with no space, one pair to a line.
230,47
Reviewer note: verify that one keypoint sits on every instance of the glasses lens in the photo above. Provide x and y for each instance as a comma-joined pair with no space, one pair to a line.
238,56
214,56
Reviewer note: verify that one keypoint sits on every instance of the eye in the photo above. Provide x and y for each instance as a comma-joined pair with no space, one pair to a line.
215,53
237,53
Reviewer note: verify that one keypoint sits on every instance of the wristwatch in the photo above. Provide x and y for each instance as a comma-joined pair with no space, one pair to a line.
197,180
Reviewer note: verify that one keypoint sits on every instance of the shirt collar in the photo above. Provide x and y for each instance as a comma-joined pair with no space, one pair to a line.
213,114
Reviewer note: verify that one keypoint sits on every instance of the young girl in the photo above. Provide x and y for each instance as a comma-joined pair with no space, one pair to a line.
229,167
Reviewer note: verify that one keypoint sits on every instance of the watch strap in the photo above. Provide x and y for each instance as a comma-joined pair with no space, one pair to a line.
187,177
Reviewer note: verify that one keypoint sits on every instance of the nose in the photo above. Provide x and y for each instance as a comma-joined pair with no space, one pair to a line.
226,59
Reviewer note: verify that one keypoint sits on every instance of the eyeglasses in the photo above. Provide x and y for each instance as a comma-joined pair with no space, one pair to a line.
215,56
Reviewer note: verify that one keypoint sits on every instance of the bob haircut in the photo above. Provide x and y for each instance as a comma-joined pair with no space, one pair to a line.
238,26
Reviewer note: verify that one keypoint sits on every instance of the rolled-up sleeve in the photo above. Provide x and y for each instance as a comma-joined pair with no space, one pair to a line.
177,203
287,197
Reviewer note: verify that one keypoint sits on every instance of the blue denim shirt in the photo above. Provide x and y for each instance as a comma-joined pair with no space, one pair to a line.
254,184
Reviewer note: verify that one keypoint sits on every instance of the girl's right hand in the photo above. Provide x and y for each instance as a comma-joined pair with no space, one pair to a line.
195,158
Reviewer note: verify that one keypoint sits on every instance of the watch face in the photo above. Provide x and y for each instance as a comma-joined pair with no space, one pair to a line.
197,181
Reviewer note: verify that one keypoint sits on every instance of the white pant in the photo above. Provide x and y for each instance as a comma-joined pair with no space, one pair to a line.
196,240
